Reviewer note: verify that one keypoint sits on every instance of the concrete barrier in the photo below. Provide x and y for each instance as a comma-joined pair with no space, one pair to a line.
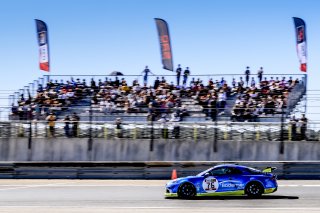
77,149
143,170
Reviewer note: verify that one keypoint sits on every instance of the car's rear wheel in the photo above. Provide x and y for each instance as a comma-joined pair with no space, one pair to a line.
254,189
186,190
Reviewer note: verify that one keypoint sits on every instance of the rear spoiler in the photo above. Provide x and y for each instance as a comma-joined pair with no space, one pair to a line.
269,169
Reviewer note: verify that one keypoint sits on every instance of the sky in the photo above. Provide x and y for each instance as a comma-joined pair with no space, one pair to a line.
96,37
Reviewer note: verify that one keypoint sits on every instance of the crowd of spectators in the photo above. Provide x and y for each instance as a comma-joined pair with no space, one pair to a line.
158,100
54,97
268,97
162,100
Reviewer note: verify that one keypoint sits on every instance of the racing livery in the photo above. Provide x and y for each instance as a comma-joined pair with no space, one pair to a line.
224,180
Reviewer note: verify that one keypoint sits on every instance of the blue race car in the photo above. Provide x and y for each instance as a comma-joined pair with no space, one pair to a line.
226,179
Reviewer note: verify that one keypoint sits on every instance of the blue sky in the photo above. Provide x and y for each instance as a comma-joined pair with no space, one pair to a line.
210,36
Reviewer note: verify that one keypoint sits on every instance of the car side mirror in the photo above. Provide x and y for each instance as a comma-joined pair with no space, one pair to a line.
207,174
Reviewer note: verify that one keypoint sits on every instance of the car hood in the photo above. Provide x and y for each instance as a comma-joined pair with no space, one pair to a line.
188,178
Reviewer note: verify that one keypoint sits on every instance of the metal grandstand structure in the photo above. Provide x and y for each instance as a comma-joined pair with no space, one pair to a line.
196,126
297,98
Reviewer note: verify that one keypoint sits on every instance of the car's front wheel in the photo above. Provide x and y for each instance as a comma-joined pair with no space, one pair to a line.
254,189
186,190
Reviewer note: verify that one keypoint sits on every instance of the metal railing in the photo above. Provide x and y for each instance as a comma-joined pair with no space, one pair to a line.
205,131
288,170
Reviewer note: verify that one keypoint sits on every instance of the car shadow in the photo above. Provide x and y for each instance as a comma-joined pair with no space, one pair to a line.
264,197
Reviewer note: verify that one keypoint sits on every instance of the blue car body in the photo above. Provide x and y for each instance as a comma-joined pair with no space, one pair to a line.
223,180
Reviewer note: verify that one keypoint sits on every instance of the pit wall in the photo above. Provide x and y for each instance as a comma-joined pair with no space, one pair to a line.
78,149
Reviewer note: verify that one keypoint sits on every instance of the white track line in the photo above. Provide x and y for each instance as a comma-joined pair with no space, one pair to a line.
13,187
163,207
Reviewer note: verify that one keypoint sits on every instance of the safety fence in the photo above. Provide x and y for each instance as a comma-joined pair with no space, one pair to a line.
249,131
144,170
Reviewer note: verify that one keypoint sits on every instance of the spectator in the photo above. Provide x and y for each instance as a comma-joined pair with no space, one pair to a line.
178,71
75,124
269,107
221,102
146,72
84,83
175,117
247,73
253,82
51,118
176,130
290,81
260,73
116,83
163,81
14,109
93,84
156,83
222,82
119,127
164,127
234,83
213,108
183,112
241,83
100,84
293,123
193,82
303,127
66,121
185,76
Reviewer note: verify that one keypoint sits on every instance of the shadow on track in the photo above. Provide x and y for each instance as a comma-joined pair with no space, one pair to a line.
265,197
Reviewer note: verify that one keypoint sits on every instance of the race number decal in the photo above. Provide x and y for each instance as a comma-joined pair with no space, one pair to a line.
210,184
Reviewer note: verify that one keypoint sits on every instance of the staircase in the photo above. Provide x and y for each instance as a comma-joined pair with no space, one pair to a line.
195,110
228,109
296,95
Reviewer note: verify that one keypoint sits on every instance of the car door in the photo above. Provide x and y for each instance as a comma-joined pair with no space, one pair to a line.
231,180
213,179
222,179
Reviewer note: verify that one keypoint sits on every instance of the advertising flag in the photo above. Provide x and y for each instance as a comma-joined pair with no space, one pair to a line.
301,40
165,44
42,34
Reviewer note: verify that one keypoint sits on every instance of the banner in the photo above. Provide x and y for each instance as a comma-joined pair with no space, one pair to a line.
165,44
42,33
301,38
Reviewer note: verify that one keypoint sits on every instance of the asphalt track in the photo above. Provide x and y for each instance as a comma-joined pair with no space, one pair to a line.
144,196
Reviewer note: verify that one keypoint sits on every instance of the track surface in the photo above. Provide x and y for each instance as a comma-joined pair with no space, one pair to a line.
144,196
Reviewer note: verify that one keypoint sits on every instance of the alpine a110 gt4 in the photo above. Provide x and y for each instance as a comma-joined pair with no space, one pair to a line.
224,180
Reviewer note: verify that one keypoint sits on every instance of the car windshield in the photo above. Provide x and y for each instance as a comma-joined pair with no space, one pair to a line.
205,171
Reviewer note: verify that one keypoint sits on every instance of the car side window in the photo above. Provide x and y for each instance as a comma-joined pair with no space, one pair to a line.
234,171
225,171
218,171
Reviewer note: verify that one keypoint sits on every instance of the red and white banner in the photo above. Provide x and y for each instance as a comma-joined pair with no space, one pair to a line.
165,44
42,33
301,41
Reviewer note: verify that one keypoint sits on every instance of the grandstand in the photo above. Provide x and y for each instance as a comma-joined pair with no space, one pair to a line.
219,107
206,98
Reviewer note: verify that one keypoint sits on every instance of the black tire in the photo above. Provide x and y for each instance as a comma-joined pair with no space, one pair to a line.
186,191
254,189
